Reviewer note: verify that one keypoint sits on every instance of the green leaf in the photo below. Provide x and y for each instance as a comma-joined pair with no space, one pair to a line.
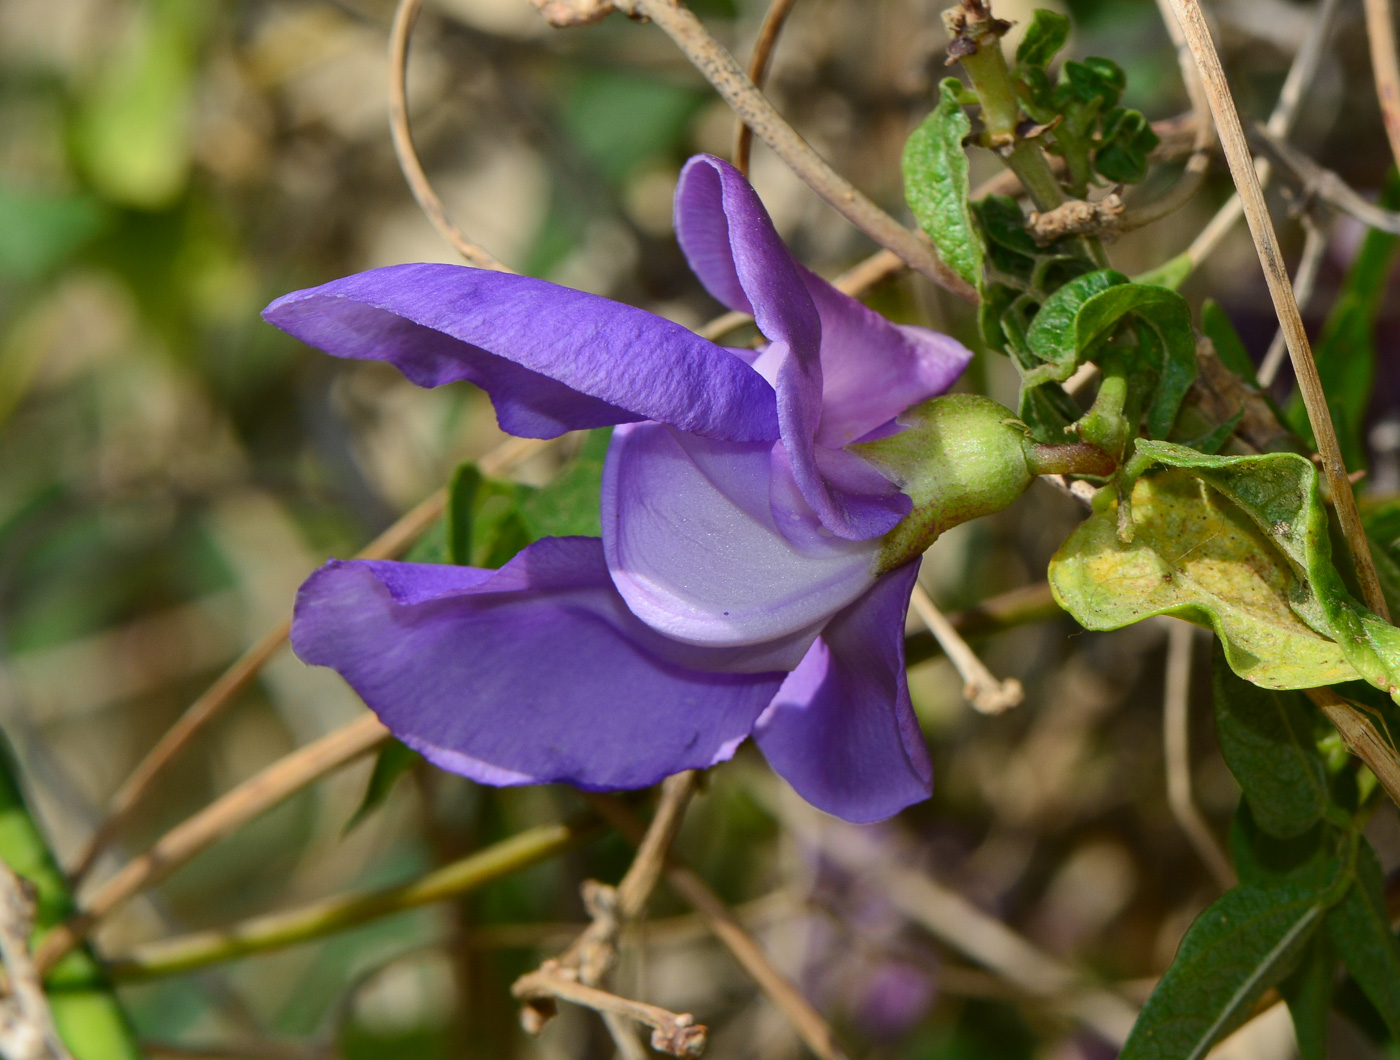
86,1012
1170,274
39,231
484,524
1359,928
1243,944
1096,81
1127,141
1048,410
1055,337
1266,737
568,506
1045,36
1229,347
392,762
1279,493
1198,557
1268,861
1308,992
937,186
1346,350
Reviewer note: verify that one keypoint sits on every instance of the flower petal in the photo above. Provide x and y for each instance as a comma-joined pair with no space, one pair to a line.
553,359
841,730
693,548
731,244
534,673
872,370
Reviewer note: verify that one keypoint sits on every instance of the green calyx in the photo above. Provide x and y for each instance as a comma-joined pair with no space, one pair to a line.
962,456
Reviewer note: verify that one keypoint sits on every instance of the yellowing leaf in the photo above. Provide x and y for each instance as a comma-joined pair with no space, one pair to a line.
1199,557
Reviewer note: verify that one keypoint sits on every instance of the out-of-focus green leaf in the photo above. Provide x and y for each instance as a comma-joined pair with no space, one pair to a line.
568,506
484,524
937,187
1197,556
1243,944
392,762
1171,274
1346,350
1359,929
1308,992
1229,347
1382,523
1267,739
133,126
38,231
1045,36
87,1014
621,120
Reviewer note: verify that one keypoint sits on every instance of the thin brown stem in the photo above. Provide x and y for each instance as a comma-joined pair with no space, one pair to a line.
730,81
807,1021
238,677
1304,281
1176,742
1385,66
225,815
1362,737
650,859
778,12
672,1033
1227,121
981,688
402,29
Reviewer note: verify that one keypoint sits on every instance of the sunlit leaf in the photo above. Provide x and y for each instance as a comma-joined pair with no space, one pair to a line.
1243,944
1045,36
1197,556
1055,336
1267,740
937,186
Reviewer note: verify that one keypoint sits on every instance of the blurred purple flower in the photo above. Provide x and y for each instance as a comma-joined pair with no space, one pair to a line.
735,590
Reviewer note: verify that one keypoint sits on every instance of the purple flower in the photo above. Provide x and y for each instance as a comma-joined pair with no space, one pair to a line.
736,590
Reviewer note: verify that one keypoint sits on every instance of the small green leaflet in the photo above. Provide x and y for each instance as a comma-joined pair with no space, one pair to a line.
1229,347
484,525
1127,140
1045,36
937,186
568,506
1054,335
1196,556
1359,929
1267,739
1246,942
392,762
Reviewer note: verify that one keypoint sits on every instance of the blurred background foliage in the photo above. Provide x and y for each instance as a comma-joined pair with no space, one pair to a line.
171,468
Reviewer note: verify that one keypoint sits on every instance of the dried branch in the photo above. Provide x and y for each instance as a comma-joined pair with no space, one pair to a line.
27,1030
730,81
1317,184
1362,737
1176,742
1380,30
1077,217
402,29
562,14
1227,121
980,687
233,681
221,817
672,1033
778,12
1304,282
291,927
807,1021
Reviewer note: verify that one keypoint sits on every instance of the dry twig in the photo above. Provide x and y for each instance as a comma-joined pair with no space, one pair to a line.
778,12
221,817
1227,121
1304,281
672,1033
980,687
1176,741
1385,65
1362,737
27,1030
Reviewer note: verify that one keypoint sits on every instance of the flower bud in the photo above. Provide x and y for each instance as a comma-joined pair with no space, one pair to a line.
959,456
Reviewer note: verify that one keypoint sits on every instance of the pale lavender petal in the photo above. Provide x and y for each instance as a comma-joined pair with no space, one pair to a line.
553,359
872,370
731,244
534,673
841,730
694,550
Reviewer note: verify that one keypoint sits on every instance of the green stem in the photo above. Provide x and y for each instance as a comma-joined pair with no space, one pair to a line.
293,926
88,1016
1076,458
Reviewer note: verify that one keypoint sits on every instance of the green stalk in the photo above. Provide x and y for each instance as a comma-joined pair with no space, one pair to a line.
318,919
88,1016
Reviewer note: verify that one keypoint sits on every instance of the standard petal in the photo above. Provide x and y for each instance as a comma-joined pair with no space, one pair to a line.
694,550
553,359
731,244
872,370
535,673
841,730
